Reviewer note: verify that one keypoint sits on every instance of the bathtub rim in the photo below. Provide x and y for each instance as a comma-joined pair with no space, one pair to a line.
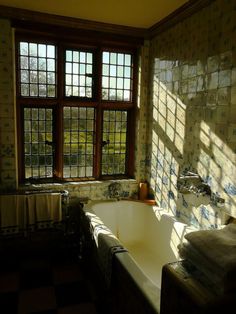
158,211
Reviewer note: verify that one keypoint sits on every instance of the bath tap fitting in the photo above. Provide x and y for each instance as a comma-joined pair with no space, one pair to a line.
114,190
217,200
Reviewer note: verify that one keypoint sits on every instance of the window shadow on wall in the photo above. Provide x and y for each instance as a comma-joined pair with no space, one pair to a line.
189,132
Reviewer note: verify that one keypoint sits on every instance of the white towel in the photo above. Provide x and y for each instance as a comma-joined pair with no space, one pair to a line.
213,252
44,208
21,207
95,223
218,246
31,209
48,207
13,212
108,246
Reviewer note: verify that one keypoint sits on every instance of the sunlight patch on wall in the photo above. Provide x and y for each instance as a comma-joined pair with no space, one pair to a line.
168,138
164,169
169,113
217,164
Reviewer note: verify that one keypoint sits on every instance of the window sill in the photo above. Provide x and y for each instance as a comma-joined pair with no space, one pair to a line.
72,185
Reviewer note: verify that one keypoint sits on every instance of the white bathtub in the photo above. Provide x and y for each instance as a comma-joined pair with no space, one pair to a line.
150,235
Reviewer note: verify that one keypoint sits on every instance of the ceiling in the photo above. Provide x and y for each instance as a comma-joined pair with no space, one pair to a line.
134,13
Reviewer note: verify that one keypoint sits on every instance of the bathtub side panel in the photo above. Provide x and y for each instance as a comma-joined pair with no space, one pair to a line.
128,296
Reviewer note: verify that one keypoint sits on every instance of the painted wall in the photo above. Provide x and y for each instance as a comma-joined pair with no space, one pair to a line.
193,112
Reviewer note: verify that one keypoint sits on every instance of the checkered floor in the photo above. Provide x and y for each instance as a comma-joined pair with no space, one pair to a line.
46,284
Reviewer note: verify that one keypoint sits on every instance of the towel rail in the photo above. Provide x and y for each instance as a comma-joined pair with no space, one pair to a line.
20,211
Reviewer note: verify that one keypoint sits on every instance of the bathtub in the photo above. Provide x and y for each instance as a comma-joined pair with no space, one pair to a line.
149,234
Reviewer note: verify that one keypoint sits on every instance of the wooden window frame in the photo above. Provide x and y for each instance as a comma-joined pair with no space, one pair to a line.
60,101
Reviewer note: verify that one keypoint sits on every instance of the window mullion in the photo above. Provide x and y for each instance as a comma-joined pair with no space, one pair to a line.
130,143
58,130
99,113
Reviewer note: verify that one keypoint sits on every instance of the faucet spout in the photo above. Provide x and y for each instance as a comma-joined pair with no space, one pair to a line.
114,190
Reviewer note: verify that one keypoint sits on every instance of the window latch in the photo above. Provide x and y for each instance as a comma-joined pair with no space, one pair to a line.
50,143
104,143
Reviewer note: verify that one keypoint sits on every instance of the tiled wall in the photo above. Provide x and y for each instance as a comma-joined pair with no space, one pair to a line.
142,115
8,173
193,111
